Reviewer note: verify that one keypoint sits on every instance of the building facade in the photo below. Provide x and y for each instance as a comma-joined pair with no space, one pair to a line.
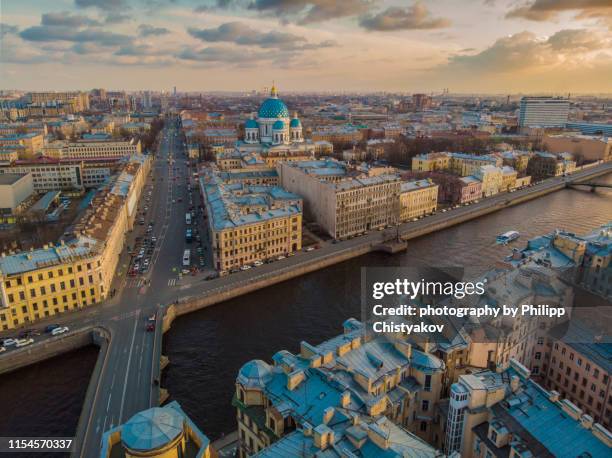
344,201
543,112
249,223
417,198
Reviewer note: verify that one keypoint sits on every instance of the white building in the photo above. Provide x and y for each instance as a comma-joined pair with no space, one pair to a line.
543,112
15,188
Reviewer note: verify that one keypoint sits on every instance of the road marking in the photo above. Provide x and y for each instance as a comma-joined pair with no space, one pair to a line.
127,367
172,282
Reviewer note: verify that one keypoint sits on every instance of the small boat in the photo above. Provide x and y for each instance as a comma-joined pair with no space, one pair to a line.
508,237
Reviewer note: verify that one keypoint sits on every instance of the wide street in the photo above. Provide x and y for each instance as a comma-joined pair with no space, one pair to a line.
128,381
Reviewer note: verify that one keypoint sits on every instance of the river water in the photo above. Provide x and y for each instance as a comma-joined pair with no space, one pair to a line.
45,399
208,347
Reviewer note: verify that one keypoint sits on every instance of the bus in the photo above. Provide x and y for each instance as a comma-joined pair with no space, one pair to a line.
187,258
188,219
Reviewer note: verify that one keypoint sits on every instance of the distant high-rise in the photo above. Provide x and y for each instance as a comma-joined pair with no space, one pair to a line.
543,112
174,91
421,101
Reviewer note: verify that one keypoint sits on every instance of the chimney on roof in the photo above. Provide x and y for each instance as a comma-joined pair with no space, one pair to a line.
586,421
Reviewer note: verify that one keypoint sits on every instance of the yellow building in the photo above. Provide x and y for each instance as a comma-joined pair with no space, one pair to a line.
468,164
518,160
418,198
76,273
357,372
250,223
491,178
431,162
31,143
79,101
508,178
158,432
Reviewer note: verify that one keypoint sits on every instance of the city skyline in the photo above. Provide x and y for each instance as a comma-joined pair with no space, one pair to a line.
310,45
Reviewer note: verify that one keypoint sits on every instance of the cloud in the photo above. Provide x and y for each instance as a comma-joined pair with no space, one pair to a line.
309,11
244,35
101,4
45,33
145,30
117,18
413,17
5,29
544,10
577,40
222,54
87,48
140,50
525,51
67,20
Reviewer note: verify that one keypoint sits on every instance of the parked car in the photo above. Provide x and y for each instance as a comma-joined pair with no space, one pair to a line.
61,330
9,342
23,342
51,327
309,249
258,263
150,327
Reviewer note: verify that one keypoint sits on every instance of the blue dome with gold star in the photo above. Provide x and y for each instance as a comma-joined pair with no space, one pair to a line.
273,107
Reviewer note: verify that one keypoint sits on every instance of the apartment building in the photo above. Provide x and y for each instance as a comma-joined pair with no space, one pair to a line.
31,143
495,414
30,127
518,160
344,200
354,373
78,101
470,164
545,165
577,363
589,147
508,175
417,198
76,272
249,223
431,162
491,178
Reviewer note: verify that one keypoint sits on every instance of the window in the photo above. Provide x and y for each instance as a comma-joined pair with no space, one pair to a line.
423,426
493,436
538,355
425,405
428,383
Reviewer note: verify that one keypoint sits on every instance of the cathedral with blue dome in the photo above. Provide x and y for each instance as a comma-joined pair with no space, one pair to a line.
273,125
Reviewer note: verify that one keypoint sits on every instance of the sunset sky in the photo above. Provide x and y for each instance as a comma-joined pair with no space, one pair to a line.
498,46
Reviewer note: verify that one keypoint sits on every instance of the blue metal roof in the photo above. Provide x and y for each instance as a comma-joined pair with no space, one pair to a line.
152,429
278,125
27,261
295,122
